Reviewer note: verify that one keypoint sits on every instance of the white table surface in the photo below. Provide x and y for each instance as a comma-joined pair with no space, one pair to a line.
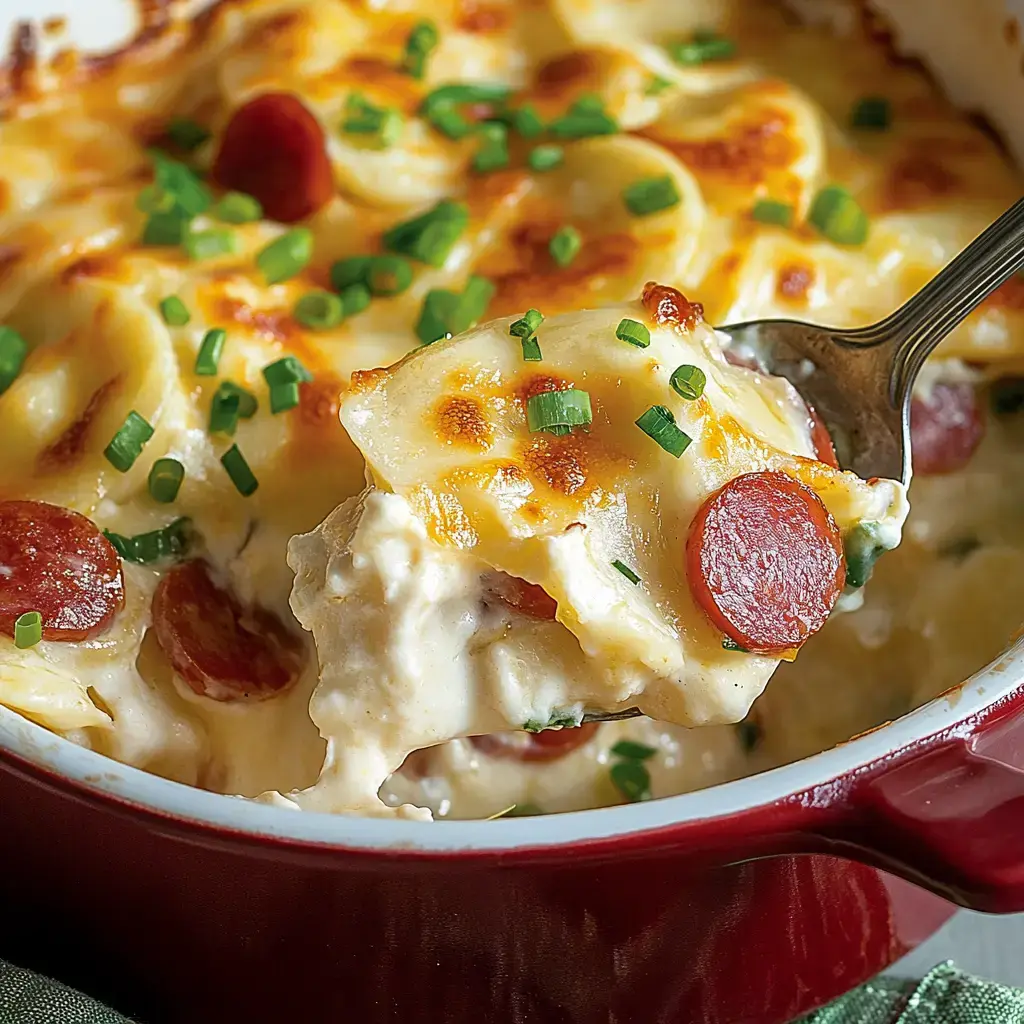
989,946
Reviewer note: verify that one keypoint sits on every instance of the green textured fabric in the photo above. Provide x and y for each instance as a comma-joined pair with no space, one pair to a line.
27,998
944,996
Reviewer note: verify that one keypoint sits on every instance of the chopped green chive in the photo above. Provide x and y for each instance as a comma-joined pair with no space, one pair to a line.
873,112
28,630
748,732
634,332
422,40
187,134
449,122
633,751
165,229
446,313
127,444
626,571
319,311
531,350
354,299
527,324
703,48
558,412
247,403
388,275
154,200
208,245
283,397
172,541
165,480
659,425
190,196
287,370
493,152
224,412
657,85
431,236
441,106
363,118
771,211
545,158
838,216
863,547
208,357
352,270
651,195
586,118
238,208
632,780
565,245
688,382
286,256
174,311
527,122
13,350
728,644
238,470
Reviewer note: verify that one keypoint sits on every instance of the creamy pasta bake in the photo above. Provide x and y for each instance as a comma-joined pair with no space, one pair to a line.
367,422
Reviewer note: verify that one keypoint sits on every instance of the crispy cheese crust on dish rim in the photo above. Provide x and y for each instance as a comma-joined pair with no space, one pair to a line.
564,494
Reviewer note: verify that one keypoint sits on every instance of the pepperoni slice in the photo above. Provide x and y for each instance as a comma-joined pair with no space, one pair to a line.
274,149
548,745
821,439
945,428
527,598
222,650
57,562
765,561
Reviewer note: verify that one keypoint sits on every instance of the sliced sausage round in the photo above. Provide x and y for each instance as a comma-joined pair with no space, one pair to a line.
548,745
221,649
764,559
57,562
946,427
274,149
527,598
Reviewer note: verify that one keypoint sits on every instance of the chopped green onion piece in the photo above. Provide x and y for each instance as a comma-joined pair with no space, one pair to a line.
838,216
174,311
657,85
210,351
626,571
748,732
585,119
422,40
545,158
187,134
286,256
527,122
165,480
558,412
632,780
633,751
874,112
208,245
319,311
238,469
224,412
431,236
565,245
287,370
493,152
701,49
238,208
688,382
445,313
28,630
531,350
449,122
659,424
247,403
388,275
13,350
863,547
352,270
634,332
354,299
127,444
729,644
527,324
165,229
363,118
191,196
440,106
771,211
170,542
283,397
651,195
155,200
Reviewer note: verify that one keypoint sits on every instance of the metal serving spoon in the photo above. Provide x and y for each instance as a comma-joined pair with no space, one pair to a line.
860,380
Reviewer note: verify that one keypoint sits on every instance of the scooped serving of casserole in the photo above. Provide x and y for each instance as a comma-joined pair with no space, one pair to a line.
366,423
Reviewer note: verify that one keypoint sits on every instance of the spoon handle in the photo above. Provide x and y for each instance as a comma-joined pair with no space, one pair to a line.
923,321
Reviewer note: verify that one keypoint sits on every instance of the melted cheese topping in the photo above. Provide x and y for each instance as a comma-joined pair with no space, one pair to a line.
78,285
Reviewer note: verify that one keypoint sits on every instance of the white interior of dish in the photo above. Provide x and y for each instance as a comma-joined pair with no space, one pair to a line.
955,46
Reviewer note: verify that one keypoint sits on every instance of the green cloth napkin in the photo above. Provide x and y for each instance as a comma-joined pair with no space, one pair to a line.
944,996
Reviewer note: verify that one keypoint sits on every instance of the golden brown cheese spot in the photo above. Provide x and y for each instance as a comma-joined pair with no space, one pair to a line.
560,462
917,180
482,18
103,265
461,421
272,324
487,193
10,256
363,381
669,306
794,281
537,384
5,196
71,445
319,403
